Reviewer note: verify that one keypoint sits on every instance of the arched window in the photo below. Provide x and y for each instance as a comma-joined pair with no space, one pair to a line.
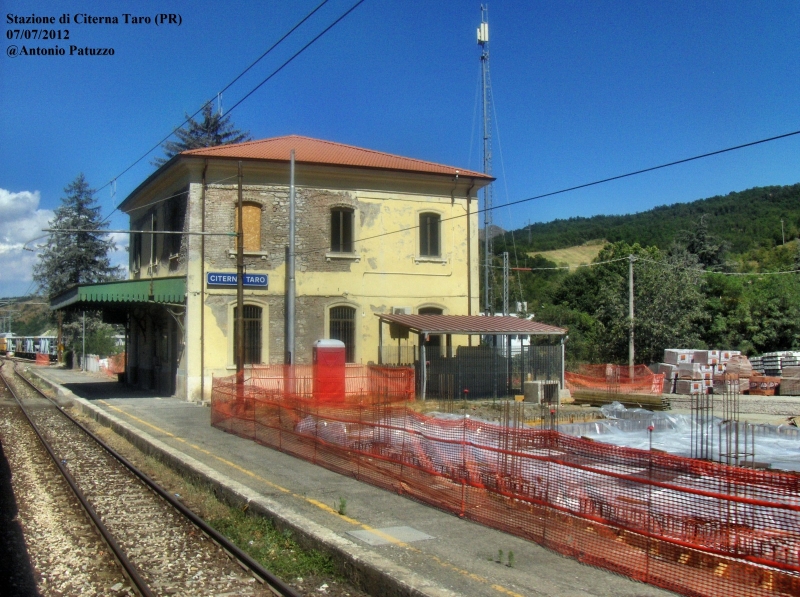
435,339
251,225
429,235
341,230
252,334
343,327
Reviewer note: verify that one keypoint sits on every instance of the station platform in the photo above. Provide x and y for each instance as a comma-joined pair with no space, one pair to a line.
388,543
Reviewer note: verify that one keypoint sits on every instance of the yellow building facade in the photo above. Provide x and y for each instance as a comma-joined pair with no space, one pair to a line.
375,233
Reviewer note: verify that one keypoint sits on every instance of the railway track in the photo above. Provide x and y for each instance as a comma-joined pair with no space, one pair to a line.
159,547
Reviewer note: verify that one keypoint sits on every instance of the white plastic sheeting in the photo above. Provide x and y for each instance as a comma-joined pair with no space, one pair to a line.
672,433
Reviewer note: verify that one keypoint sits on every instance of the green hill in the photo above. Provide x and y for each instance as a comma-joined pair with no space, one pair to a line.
745,220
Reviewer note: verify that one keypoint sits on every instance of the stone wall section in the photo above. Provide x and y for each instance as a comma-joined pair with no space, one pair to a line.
312,233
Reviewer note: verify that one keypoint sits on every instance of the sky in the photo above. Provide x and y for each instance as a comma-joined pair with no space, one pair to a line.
582,90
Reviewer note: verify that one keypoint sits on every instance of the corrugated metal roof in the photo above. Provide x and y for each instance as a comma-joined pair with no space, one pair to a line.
317,151
471,324
155,290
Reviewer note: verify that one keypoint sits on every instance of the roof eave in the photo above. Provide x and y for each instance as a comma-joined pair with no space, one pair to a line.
147,181
485,178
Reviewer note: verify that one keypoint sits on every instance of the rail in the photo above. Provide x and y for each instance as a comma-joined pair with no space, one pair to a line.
275,584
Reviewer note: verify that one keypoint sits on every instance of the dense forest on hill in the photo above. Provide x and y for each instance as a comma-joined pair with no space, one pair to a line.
714,273
744,220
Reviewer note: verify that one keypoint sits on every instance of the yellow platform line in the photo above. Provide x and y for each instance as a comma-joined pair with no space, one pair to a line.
322,506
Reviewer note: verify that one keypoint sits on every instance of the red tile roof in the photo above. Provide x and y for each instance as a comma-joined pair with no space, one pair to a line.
471,324
317,151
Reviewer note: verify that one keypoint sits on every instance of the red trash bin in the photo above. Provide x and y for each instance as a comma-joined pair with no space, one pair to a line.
329,370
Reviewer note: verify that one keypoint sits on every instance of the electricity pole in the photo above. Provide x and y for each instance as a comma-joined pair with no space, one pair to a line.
631,258
290,358
240,286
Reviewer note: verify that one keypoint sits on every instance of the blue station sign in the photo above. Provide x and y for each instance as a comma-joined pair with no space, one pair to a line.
222,279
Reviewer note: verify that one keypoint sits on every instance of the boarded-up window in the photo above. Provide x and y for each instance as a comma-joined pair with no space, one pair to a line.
251,225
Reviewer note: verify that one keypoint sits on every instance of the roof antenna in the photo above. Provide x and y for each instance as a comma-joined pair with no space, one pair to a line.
219,104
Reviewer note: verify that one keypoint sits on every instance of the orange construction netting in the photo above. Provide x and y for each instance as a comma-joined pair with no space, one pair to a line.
360,381
615,379
690,526
42,359
116,364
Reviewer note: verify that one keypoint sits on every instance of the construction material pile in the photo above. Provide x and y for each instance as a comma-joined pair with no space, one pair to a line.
773,363
689,371
790,381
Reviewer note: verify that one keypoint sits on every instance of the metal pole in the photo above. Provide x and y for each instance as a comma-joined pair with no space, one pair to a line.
483,41
83,349
203,282
60,337
423,365
240,285
290,288
505,283
469,263
630,316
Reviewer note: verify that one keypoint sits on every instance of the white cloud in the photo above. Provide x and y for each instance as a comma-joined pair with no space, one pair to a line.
21,221
120,255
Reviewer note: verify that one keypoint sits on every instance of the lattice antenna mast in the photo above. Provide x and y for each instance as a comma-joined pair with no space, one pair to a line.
483,42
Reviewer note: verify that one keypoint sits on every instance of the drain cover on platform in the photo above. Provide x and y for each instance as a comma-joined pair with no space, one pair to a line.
390,535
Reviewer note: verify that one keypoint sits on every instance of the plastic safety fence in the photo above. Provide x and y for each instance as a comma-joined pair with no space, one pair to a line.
690,526
115,364
615,379
42,359
361,381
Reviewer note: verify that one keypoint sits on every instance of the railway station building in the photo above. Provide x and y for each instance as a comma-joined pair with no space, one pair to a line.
375,234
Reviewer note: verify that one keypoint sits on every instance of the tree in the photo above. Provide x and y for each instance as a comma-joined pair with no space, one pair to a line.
215,129
72,258
700,242
668,303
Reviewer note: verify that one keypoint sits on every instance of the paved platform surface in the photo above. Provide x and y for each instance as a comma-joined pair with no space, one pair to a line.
407,549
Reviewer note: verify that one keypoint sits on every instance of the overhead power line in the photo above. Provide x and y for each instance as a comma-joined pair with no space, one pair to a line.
578,187
287,34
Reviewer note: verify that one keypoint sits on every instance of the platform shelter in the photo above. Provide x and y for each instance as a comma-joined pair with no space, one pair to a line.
452,370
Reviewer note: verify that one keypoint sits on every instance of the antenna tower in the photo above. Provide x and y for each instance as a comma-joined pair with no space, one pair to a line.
483,42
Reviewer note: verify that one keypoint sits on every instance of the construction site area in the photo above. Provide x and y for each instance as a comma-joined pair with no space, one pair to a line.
710,520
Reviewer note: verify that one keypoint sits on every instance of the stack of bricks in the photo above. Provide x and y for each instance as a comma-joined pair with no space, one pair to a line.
689,371
790,381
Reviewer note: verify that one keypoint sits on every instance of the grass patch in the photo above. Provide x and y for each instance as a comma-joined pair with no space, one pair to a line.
276,550
573,256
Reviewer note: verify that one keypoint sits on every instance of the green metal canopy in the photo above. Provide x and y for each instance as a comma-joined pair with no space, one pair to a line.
171,290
